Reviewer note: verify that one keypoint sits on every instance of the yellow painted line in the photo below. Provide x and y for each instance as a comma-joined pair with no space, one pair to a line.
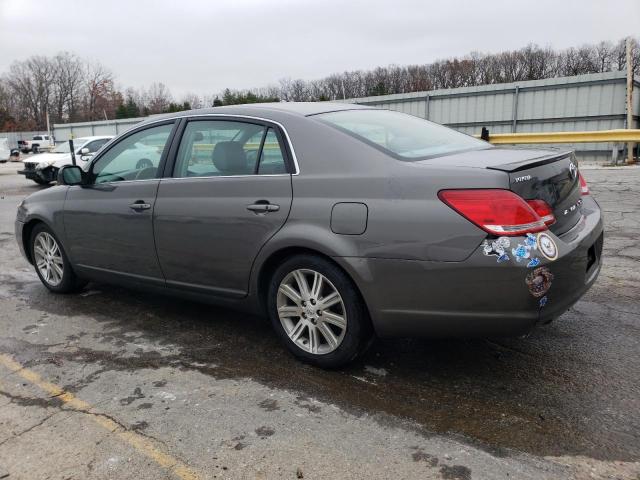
613,136
137,441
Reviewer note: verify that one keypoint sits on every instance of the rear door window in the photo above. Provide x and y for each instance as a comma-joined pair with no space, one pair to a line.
216,148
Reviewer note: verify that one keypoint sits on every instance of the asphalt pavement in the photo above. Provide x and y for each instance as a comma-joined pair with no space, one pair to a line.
112,383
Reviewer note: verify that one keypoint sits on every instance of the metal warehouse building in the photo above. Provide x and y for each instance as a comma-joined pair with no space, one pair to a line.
584,102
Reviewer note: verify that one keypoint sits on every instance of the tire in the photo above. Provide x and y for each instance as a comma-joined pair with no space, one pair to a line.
324,348
35,149
67,281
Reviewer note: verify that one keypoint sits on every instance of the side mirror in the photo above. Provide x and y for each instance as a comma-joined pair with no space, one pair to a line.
70,175
84,151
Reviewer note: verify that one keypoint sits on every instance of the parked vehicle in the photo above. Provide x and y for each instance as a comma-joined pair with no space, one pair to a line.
338,221
39,142
43,168
5,152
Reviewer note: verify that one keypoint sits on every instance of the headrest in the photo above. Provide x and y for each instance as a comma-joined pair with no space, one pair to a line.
230,158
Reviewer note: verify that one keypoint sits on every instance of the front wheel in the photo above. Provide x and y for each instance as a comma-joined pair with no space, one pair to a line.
51,263
317,311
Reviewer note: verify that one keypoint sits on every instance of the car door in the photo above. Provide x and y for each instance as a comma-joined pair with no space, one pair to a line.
230,191
108,222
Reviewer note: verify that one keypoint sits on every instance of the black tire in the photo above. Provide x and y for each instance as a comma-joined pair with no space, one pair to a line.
70,282
35,149
358,334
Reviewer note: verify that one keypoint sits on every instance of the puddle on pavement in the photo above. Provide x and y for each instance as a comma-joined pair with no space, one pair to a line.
497,395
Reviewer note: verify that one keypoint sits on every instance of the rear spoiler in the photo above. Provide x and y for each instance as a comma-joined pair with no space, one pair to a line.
531,163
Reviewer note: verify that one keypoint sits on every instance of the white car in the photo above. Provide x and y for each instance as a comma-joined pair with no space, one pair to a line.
43,168
4,150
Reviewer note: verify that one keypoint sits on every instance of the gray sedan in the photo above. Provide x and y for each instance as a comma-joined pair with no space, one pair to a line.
340,222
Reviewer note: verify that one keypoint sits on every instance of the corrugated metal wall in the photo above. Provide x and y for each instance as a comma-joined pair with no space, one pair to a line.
584,102
63,131
13,137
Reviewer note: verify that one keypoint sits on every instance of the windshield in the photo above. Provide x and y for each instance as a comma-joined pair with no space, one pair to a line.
62,148
403,136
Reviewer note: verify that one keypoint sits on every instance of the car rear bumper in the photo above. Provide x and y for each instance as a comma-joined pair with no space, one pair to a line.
481,296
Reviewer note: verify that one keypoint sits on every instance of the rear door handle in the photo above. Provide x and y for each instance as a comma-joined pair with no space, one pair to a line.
263,207
139,206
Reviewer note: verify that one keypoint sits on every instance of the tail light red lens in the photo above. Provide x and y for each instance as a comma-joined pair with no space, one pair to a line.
499,212
543,210
584,188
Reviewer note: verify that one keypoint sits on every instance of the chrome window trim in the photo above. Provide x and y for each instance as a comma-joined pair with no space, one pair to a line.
209,177
240,116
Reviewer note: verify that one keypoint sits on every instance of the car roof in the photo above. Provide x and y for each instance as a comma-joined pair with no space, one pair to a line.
303,109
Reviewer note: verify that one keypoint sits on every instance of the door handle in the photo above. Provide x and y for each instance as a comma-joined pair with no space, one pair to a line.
263,207
139,206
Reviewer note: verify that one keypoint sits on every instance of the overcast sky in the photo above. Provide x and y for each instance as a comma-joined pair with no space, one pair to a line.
203,46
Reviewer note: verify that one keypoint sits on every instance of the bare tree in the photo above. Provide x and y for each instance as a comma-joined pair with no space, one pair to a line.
67,87
158,98
98,82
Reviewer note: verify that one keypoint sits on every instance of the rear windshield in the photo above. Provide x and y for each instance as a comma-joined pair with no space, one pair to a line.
401,135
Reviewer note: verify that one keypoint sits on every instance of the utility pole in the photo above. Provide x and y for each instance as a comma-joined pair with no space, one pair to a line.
629,99
49,128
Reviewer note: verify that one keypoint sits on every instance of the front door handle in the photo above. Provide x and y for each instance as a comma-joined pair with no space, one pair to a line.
139,206
263,207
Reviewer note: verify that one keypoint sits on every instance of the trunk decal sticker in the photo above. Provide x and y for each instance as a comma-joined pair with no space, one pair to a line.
497,248
533,263
539,282
543,301
521,252
547,246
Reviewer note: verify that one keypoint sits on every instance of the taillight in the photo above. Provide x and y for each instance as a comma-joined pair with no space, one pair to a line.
543,210
499,212
584,188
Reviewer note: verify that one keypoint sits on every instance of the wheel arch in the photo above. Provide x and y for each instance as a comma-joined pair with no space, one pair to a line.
270,264
26,236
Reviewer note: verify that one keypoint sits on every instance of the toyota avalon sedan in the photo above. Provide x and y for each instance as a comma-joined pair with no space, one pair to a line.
339,222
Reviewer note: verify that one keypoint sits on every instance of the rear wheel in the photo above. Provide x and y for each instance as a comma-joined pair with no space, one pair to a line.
51,263
318,312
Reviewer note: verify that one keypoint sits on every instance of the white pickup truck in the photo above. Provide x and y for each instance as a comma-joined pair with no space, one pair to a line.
39,142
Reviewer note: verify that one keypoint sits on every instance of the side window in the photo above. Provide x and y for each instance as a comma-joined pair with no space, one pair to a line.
137,157
96,144
271,160
218,148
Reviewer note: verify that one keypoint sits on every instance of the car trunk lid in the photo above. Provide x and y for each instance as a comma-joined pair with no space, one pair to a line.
533,174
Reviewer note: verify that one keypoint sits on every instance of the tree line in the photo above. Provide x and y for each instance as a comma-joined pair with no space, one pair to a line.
71,89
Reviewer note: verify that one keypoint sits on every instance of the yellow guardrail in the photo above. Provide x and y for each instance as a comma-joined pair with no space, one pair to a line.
208,147
613,136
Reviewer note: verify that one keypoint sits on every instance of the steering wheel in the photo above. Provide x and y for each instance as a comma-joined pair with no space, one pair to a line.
143,163
146,173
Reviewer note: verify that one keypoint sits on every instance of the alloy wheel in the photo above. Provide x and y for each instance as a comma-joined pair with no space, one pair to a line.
311,311
48,258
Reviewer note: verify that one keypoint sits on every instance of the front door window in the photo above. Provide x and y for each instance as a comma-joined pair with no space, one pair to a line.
136,157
